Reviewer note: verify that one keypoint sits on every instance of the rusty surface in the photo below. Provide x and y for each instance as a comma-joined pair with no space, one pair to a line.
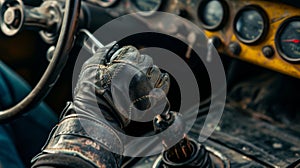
255,140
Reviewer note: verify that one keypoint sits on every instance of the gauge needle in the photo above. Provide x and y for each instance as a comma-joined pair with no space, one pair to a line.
292,41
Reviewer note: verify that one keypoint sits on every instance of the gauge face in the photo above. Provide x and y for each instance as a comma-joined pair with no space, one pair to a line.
146,6
212,14
250,24
106,3
288,40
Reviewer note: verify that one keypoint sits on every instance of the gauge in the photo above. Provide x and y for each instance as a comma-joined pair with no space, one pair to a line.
103,3
146,7
250,24
213,14
288,39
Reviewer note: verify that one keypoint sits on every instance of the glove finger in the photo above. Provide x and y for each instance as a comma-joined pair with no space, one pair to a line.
127,54
163,82
149,106
145,63
131,55
153,74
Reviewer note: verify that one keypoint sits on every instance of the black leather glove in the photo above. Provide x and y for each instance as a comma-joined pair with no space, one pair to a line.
125,81
114,88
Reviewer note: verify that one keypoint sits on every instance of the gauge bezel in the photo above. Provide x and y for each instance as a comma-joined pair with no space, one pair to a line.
265,18
222,23
282,26
148,13
107,4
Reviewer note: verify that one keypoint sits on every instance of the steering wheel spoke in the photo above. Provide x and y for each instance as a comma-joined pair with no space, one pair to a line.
58,61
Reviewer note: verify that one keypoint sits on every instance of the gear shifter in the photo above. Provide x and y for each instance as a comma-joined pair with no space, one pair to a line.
187,152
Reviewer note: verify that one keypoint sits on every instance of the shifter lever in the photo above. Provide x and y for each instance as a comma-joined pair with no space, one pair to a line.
187,152
90,43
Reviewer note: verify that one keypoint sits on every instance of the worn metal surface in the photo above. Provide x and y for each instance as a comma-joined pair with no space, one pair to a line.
222,156
255,139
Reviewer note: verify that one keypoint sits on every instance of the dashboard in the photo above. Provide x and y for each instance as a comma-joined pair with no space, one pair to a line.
260,32
257,31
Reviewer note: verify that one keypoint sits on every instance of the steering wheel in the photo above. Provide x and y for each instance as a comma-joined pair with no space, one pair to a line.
58,61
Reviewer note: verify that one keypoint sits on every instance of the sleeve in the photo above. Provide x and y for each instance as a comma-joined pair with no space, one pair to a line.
61,161
17,144
80,141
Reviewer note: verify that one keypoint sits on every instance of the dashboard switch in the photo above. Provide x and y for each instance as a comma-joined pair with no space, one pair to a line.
268,51
235,48
216,41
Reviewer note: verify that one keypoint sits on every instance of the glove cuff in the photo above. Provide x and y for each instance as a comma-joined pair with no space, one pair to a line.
87,138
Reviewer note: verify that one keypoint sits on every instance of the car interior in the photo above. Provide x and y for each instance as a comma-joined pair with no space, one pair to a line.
258,42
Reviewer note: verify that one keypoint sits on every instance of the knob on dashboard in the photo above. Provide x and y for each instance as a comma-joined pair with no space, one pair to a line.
216,41
235,48
268,51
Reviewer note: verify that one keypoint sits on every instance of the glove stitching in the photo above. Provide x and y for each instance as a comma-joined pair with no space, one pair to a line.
123,51
101,124
143,97
130,64
123,61
116,72
105,72
104,143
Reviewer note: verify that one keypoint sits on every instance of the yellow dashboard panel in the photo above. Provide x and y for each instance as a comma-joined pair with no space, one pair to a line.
277,14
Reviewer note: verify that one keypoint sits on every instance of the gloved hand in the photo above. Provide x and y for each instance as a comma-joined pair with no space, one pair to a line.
115,86
125,81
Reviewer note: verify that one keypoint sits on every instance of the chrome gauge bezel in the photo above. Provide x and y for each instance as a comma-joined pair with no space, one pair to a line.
219,25
147,13
264,17
281,28
106,4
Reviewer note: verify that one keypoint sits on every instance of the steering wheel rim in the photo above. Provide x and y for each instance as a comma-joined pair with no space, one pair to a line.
56,65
